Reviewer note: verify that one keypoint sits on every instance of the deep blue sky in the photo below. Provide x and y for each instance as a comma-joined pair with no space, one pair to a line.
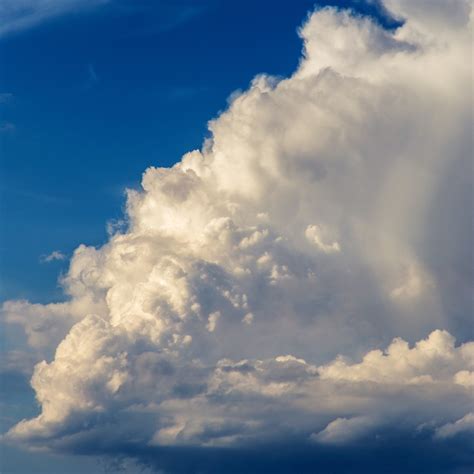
90,100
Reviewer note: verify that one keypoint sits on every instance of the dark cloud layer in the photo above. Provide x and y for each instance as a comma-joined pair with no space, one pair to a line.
401,453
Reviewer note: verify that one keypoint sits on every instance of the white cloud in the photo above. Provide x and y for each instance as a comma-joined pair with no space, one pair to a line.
400,364
307,225
313,234
51,257
46,325
98,370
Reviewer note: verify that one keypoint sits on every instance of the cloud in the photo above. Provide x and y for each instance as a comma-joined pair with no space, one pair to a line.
463,425
342,430
16,15
53,256
287,284
17,362
154,17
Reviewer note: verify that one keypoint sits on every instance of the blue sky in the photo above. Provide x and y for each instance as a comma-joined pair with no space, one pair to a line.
93,92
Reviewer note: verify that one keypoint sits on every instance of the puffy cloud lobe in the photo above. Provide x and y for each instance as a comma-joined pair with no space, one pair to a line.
231,403
304,227
405,365
46,325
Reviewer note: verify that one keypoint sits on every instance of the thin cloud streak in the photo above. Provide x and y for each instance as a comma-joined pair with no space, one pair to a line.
18,15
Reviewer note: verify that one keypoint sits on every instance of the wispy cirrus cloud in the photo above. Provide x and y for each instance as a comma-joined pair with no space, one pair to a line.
17,15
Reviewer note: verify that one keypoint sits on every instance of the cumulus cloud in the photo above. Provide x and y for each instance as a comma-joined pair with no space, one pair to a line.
286,281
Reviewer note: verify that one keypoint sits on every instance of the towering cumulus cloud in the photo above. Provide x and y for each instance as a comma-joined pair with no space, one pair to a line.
303,278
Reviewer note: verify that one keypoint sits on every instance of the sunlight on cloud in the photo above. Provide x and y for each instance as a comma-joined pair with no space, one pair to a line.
309,224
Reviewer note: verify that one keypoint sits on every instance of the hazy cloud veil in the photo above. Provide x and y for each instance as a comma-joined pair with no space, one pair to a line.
307,275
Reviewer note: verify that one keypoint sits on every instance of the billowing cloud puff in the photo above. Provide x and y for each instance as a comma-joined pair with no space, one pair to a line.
303,275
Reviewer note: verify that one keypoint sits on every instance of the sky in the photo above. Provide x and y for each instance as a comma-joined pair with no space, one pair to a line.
235,236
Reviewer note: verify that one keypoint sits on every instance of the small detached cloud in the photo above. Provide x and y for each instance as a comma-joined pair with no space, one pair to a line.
55,255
